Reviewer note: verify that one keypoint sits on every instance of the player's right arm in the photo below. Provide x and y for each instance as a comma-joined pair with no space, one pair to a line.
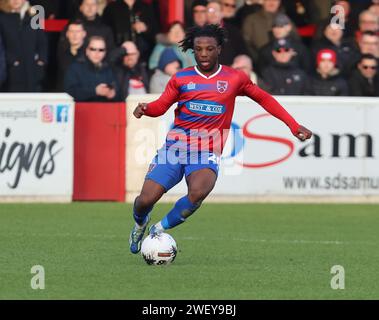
162,104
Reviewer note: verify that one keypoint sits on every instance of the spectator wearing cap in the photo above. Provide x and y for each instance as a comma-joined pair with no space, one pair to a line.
25,48
332,38
364,80
171,39
169,64
283,29
199,13
235,44
91,78
131,73
283,77
327,80
257,26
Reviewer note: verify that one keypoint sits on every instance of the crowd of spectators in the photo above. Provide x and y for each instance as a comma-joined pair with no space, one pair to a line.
110,49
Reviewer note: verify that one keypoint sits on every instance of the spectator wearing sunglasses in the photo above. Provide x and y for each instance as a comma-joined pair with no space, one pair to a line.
283,29
327,81
283,77
364,80
91,78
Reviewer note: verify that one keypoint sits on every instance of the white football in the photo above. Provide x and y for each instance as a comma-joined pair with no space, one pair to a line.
159,249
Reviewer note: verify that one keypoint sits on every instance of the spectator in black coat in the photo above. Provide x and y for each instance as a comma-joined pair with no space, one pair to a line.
332,38
284,77
282,28
132,20
327,81
3,65
91,78
249,7
235,44
364,80
25,47
93,23
131,73
229,10
70,49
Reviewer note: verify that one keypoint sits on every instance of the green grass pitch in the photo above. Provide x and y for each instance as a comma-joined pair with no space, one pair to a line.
226,251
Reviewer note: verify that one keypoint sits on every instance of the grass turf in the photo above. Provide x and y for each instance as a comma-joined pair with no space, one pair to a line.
226,251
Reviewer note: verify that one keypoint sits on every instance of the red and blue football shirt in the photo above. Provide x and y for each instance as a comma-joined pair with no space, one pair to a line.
206,105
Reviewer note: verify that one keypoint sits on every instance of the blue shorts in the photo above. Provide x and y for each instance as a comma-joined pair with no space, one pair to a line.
169,167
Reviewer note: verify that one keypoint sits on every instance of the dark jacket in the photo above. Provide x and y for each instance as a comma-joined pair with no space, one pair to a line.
346,53
24,46
93,28
82,78
285,79
3,66
302,59
120,18
234,46
65,58
332,86
361,86
125,74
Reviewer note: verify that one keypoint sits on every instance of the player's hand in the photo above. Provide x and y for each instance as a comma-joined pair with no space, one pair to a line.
140,110
303,133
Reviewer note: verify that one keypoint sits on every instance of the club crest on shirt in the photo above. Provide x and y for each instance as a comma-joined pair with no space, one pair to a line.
222,86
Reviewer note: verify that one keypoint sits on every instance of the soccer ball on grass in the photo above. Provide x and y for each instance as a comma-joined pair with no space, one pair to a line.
159,249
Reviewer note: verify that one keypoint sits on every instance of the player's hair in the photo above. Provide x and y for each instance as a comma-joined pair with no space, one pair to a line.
208,30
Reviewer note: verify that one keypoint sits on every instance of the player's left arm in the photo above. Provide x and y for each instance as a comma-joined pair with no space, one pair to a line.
271,105
162,104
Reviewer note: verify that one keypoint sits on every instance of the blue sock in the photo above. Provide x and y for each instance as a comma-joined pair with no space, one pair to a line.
140,217
182,210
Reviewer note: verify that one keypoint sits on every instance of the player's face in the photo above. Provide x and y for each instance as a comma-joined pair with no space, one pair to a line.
206,52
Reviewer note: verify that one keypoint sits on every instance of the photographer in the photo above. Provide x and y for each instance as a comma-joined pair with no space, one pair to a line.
92,78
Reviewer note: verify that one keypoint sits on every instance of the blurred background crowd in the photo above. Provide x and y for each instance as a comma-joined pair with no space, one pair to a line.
110,49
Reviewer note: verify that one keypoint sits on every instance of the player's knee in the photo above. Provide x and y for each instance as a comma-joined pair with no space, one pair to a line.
197,195
144,201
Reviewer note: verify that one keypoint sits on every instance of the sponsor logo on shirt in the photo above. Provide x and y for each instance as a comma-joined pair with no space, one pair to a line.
206,108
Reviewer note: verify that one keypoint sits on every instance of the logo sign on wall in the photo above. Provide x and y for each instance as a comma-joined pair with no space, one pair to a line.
36,145
263,158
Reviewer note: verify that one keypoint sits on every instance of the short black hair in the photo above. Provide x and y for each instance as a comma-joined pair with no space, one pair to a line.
208,30
368,56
